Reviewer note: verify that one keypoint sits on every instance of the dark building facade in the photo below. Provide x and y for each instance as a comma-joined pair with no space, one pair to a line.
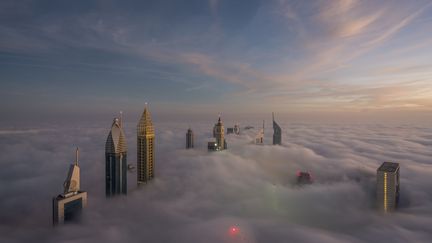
277,132
116,161
189,139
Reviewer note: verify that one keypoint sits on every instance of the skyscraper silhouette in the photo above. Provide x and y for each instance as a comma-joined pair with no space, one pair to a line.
277,133
116,160
145,148
259,138
189,139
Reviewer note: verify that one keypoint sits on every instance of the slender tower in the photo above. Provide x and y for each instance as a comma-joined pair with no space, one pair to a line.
237,129
145,148
116,161
259,139
277,132
219,134
189,139
67,207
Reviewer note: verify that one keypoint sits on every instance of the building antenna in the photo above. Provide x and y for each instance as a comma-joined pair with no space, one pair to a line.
76,156
121,118
273,116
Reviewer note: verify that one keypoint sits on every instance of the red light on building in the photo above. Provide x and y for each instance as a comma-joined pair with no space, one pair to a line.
234,230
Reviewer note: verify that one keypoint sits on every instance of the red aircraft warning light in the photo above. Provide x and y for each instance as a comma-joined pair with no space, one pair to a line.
234,230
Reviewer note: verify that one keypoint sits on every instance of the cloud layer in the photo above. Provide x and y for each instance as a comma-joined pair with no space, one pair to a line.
197,196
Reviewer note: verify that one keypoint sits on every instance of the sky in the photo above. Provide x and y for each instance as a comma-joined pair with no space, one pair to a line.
199,196
335,59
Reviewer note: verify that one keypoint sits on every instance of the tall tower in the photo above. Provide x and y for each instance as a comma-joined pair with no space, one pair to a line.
388,186
189,139
219,134
277,132
116,160
67,207
145,148
237,129
259,138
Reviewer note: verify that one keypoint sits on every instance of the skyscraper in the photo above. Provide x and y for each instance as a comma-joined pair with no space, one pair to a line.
237,129
388,186
259,138
116,160
145,148
277,133
218,133
67,207
189,139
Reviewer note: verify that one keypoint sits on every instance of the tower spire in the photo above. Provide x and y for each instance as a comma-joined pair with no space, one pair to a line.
121,119
273,116
76,156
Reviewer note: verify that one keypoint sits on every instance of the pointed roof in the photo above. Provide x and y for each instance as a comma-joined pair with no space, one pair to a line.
145,125
116,141
275,125
219,120
72,182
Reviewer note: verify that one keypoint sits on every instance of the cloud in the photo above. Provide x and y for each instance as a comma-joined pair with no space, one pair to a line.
197,196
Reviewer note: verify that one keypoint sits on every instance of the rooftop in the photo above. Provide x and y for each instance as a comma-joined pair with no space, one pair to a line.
389,167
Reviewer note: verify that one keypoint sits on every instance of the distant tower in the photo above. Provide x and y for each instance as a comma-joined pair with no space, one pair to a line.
214,130
237,129
145,148
277,133
116,161
67,207
259,139
218,133
388,186
189,139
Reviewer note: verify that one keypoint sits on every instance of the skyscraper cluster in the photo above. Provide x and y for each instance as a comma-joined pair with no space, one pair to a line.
67,207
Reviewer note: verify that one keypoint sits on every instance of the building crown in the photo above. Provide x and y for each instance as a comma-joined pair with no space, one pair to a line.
116,141
145,125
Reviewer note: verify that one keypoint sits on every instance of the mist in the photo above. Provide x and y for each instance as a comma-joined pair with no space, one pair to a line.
198,196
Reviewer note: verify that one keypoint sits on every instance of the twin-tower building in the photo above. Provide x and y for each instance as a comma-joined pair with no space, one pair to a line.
116,166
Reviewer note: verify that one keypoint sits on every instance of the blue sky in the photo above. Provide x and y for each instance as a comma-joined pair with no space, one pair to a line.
98,57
